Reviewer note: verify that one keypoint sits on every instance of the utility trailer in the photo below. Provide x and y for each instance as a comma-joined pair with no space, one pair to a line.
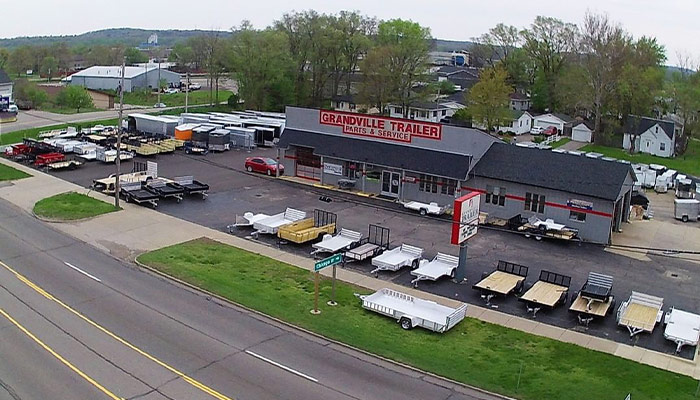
397,258
595,298
271,224
110,155
682,328
507,278
441,265
248,219
308,229
375,243
195,148
65,164
345,239
535,227
686,209
640,313
550,290
166,188
192,186
425,208
411,311
139,194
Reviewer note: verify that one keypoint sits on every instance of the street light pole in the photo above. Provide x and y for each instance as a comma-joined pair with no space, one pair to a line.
187,89
158,85
119,136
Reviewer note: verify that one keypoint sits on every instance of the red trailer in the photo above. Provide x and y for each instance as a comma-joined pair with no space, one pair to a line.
43,160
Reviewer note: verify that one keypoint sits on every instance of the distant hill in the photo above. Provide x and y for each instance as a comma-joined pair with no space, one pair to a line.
127,36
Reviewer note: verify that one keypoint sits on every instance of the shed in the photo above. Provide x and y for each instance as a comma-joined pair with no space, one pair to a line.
582,131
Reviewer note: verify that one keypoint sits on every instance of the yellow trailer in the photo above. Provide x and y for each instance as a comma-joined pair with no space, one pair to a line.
309,229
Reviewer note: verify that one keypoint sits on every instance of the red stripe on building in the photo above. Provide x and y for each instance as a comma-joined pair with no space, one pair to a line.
290,157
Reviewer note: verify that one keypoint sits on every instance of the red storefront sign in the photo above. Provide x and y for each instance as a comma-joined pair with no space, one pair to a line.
400,130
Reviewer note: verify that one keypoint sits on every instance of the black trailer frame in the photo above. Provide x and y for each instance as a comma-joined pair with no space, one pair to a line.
507,268
533,305
376,241
166,189
192,186
139,194
597,289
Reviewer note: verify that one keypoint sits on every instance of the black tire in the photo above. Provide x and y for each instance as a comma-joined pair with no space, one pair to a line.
564,298
452,273
423,211
574,297
685,218
519,287
249,168
414,264
405,323
612,305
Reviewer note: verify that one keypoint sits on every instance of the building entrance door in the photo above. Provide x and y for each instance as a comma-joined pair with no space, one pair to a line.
391,182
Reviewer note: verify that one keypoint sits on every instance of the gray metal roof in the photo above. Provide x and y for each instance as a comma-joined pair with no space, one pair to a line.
410,158
557,171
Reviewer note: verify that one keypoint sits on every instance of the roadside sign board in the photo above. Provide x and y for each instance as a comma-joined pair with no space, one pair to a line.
4,103
466,217
328,262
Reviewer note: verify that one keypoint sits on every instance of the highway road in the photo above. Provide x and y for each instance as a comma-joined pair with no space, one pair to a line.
78,324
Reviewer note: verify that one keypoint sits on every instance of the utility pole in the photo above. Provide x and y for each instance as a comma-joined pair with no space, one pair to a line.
119,136
158,78
187,88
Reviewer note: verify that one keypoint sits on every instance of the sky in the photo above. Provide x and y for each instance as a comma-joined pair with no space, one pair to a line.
673,22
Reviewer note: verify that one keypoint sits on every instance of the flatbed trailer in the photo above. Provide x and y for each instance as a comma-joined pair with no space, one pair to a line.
107,185
65,164
640,313
376,241
441,265
139,194
271,224
410,311
507,278
550,290
345,239
397,258
425,208
539,229
309,229
192,186
166,188
595,298
682,328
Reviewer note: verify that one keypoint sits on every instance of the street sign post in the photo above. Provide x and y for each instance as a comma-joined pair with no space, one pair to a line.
465,223
331,261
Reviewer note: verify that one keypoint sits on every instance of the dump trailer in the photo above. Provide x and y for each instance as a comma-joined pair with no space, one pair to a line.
306,230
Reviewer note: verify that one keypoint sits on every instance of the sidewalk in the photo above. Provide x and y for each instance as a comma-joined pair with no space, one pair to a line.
136,229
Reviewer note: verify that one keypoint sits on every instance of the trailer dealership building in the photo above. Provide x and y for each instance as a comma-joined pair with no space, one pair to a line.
406,160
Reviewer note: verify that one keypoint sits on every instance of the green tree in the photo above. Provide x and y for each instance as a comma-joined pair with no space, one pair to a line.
352,37
407,44
548,42
377,86
28,92
183,55
4,57
488,99
74,97
49,67
21,60
135,56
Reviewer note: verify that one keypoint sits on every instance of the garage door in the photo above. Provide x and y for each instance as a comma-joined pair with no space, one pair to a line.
581,136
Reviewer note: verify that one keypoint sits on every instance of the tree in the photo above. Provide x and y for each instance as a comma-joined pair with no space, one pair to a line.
25,91
74,97
488,99
183,55
497,45
407,45
4,57
377,86
353,32
135,56
21,59
49,67
548,42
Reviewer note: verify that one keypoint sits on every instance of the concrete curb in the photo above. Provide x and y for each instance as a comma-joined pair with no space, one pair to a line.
311,333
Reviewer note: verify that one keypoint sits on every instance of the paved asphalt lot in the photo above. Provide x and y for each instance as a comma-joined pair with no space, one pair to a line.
233,191
174,331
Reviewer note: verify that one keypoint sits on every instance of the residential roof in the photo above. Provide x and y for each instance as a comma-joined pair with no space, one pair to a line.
558,171
115,71
411,158
563,117
519,96
348,98
642,124
424,105
587,124
4,78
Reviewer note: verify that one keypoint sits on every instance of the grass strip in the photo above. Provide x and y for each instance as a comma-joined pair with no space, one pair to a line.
489,356
8,173
71,206
687,163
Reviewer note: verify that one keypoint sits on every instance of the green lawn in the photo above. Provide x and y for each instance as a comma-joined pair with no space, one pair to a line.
560,142
11,174
70,206
688,163
474,352
174,99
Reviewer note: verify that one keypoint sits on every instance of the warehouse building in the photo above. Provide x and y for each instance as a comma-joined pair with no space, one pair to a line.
407,160
108,78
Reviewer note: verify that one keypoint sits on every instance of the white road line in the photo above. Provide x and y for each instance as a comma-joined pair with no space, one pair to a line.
82,272
284,367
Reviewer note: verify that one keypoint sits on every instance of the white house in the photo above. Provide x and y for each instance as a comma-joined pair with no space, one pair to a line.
5,85
558,121
521,123
428,111
582,131
650,135
519,101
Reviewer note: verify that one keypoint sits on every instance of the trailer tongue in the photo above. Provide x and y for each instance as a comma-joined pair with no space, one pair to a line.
594,299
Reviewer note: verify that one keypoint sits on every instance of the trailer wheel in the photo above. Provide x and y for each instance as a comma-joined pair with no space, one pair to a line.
423,211
685,218
574,297
564,297
452,273
538,237
405,323
612,305
414,264
519,286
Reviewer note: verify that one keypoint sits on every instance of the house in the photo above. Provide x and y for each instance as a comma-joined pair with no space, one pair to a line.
519,101
650,135
429,111
582,131
109,77
462,77
348,103
5,85
520,123
559,121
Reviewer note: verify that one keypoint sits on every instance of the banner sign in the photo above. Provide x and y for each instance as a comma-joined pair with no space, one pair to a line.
466,217
332,169
400,130
584,205
4,103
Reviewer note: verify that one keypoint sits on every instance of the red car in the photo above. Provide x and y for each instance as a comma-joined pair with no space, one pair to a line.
550,131
264,165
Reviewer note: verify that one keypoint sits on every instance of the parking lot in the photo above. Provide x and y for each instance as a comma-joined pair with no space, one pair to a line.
234,191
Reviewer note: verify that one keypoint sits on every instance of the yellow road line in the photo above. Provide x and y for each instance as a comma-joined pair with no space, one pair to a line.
58,356
185,377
